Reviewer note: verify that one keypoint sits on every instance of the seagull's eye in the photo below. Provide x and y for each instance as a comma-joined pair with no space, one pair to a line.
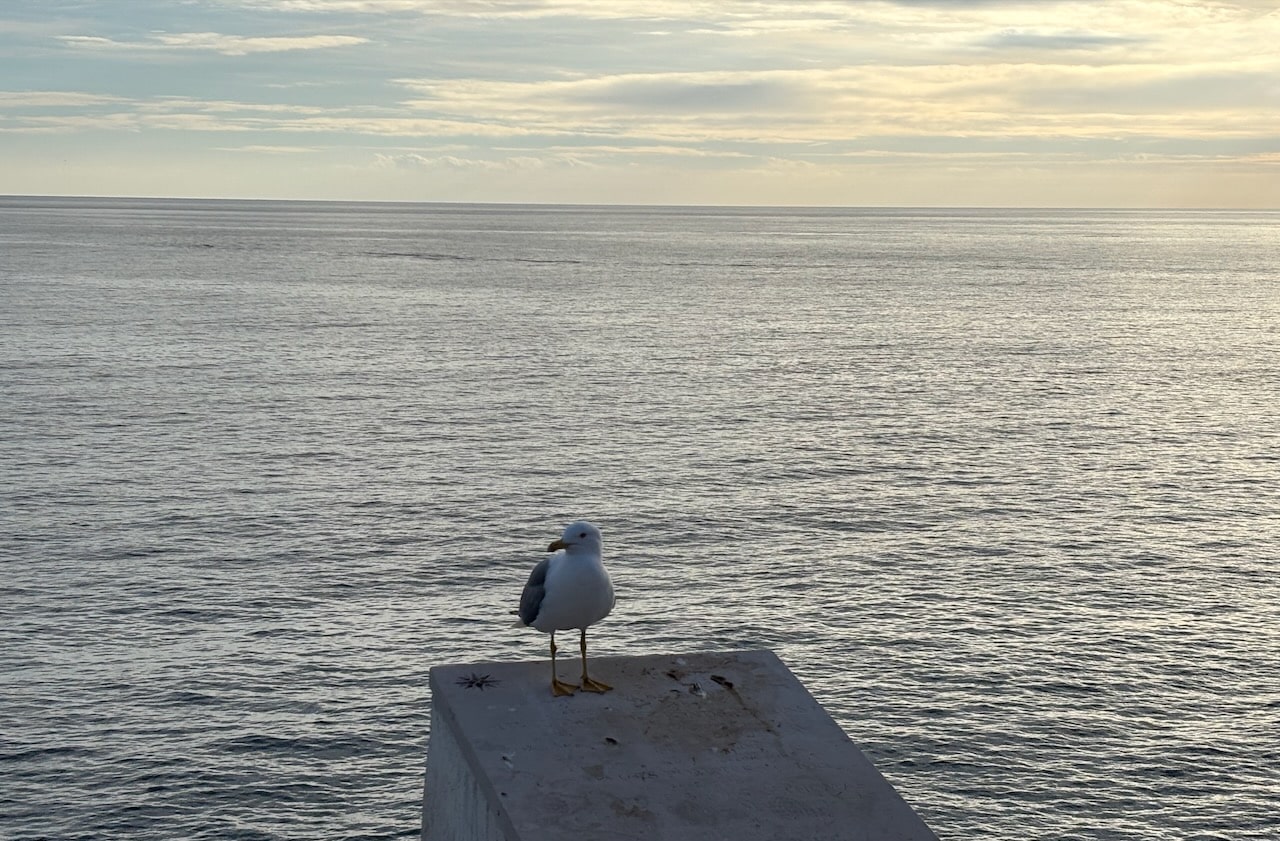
584,534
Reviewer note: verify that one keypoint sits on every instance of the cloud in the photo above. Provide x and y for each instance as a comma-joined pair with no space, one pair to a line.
265,120
687,35
617,96
589,151
512,91
800,106
90,41
55,99
171,104
1176,93
502,84
74,112
232,45
698,94
269,150
1024,39
735,111
515,9
521,163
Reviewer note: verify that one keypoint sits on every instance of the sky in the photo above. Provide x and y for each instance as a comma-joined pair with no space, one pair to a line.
1080,103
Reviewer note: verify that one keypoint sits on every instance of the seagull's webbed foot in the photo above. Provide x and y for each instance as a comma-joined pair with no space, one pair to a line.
589,685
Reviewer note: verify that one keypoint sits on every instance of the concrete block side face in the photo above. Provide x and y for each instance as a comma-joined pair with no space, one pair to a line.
455,806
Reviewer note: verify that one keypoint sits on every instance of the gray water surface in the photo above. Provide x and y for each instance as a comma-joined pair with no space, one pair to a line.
999,486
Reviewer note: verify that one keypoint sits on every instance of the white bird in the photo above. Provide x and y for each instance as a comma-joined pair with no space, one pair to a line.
571,589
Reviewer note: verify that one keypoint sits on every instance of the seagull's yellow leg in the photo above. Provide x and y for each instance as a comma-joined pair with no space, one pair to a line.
589,685
558,686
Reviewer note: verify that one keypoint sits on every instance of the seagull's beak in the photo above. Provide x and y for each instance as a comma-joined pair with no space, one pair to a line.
557,545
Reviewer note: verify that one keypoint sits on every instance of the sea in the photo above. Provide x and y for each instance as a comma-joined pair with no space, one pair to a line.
1000,486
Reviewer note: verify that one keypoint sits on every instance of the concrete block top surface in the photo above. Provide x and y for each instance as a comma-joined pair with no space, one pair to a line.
726,745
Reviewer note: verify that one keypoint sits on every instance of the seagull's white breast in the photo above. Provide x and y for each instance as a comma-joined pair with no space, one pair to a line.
578,592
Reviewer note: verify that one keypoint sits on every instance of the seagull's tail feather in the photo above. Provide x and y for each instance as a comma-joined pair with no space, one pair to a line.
519,623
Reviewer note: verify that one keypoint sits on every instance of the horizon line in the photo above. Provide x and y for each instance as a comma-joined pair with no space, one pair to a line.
639,205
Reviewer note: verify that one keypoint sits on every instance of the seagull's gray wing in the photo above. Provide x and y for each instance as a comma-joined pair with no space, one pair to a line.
534,590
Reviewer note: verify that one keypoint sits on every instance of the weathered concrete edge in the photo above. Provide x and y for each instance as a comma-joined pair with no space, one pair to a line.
469,756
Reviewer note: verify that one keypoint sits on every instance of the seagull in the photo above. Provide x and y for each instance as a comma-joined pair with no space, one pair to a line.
571,589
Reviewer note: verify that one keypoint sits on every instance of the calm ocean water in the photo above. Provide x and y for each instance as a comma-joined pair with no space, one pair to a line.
1000,486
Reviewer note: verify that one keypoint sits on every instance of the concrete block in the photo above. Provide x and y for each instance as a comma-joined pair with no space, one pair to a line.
685,748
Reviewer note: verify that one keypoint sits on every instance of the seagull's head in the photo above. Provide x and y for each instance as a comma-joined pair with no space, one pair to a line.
579,535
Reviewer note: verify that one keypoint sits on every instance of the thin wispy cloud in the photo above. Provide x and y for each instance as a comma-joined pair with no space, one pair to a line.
233,45
515,163
55,99
1029,39
270,150
513,9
